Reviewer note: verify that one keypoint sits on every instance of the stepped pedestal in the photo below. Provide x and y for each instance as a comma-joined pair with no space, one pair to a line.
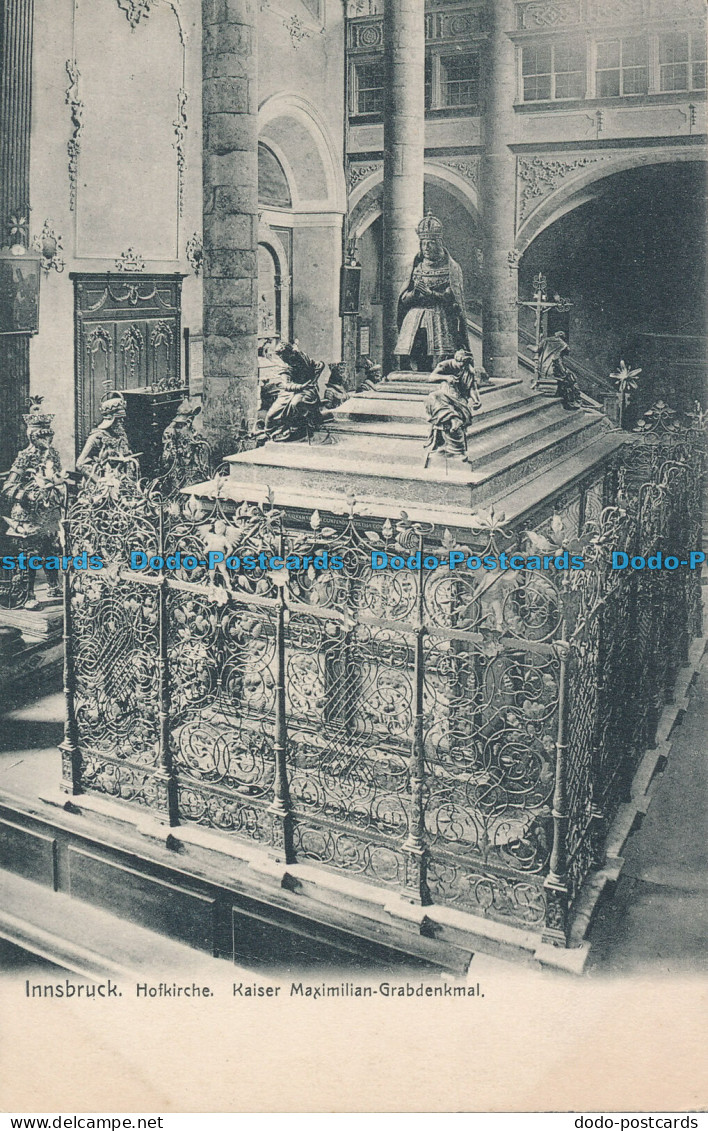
522,447
42,620
30,649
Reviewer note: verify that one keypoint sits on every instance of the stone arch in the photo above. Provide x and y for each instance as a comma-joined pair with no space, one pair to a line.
293,128
366,199
367,205
274,182
579,185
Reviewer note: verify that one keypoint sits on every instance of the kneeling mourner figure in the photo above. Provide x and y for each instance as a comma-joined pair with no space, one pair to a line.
448,406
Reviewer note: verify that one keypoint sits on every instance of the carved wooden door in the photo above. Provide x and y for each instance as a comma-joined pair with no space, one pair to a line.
128,336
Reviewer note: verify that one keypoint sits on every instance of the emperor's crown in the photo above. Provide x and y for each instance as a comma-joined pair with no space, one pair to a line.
112,404
35,418
429,227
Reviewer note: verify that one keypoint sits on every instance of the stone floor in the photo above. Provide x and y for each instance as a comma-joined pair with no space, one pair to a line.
657,920
658,917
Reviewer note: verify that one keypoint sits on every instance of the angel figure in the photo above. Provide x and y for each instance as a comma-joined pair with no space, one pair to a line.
219,539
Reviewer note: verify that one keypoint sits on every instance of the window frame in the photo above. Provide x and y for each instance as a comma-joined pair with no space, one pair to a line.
358,62
440,87
691,61
553,73
623,67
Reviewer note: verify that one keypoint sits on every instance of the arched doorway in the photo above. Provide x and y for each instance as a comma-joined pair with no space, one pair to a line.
302,204
629,254
274,249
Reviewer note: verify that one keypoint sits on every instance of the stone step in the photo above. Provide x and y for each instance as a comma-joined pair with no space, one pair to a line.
516,501
448,482
522,498
495,442
400,381
355,443
488,419
366,407
528,460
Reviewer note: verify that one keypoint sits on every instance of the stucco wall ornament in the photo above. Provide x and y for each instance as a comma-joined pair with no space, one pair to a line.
359,172
540,176
195,253
130,261
180,127
296,30
135,10
548,15
466,167
49,244
73,148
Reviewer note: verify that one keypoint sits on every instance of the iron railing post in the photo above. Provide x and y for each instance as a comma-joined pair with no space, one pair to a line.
165,800
280,809
415,849
69,746
556,882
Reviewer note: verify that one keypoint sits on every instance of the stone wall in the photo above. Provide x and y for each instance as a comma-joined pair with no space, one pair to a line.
115,163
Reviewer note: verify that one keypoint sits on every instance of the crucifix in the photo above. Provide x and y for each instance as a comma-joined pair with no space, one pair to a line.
541,304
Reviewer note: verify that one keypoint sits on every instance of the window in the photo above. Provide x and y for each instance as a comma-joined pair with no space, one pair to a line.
459,80
682,62
428,82
622,68
553,71
369,87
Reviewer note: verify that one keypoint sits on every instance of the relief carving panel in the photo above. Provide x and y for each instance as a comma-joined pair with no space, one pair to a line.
538,177
546,14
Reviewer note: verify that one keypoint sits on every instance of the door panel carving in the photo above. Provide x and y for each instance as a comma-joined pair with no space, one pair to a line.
128,336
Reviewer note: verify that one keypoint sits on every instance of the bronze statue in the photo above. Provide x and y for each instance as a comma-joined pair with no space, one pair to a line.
372,376
185,454
35,487
107,445
432,321
448,406
336,392
552,369
296,412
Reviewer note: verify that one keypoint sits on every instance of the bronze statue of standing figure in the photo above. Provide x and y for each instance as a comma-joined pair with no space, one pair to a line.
35,487
107,446
432,321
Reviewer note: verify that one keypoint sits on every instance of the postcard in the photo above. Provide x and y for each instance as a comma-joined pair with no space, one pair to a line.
352,644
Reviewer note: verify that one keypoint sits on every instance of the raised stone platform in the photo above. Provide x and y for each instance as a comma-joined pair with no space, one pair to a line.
522,446
41,621
30,649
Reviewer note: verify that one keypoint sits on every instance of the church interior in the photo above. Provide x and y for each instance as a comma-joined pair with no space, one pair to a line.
298,277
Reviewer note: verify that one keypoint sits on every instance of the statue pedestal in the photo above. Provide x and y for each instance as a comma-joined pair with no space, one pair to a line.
522,447
31,650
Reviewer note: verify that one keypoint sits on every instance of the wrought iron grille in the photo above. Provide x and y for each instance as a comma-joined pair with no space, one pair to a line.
460,737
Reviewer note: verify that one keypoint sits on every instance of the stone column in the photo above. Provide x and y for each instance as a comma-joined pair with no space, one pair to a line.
500,283
230,150
16,24
404,151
